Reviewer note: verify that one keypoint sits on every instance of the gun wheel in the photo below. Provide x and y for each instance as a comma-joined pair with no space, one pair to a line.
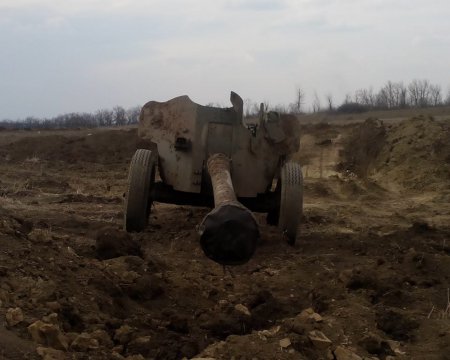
291,200
138,201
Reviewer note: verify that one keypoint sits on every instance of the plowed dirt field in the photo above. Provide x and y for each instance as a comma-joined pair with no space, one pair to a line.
369,277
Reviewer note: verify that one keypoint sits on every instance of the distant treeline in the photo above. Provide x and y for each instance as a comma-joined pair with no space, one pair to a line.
393,95
396,95
118,116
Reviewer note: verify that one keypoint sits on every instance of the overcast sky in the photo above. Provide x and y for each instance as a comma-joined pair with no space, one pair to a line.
62,56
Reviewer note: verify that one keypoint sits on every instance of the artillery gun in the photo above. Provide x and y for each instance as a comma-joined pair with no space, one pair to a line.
207,156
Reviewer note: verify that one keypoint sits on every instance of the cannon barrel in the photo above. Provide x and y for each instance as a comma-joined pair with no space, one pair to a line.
229,233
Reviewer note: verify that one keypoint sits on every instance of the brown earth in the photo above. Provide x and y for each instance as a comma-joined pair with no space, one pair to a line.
368,278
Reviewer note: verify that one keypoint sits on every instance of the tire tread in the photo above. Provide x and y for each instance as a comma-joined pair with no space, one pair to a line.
291,202
137,200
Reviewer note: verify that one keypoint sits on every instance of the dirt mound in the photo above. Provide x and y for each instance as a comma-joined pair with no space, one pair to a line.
414,154
107,146
362,147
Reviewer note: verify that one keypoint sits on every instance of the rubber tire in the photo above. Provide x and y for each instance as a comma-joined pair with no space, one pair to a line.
141,178
291,200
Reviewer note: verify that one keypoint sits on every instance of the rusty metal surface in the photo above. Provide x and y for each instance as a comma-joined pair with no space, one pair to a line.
209,151
229,234
186,134
220,139
219,171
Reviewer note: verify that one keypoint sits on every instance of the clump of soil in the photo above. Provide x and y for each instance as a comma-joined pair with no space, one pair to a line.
396,324
111,243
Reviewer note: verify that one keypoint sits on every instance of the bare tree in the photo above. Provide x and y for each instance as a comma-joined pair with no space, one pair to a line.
132,114
316,103
299,100
104,117
366,97
329,99
389,94
360,96
348,98
419,92
392,96
435,95
31,122
447,99
382,99
119,116
401,95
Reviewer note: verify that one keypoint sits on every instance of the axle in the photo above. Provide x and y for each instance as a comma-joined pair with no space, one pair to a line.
229,233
